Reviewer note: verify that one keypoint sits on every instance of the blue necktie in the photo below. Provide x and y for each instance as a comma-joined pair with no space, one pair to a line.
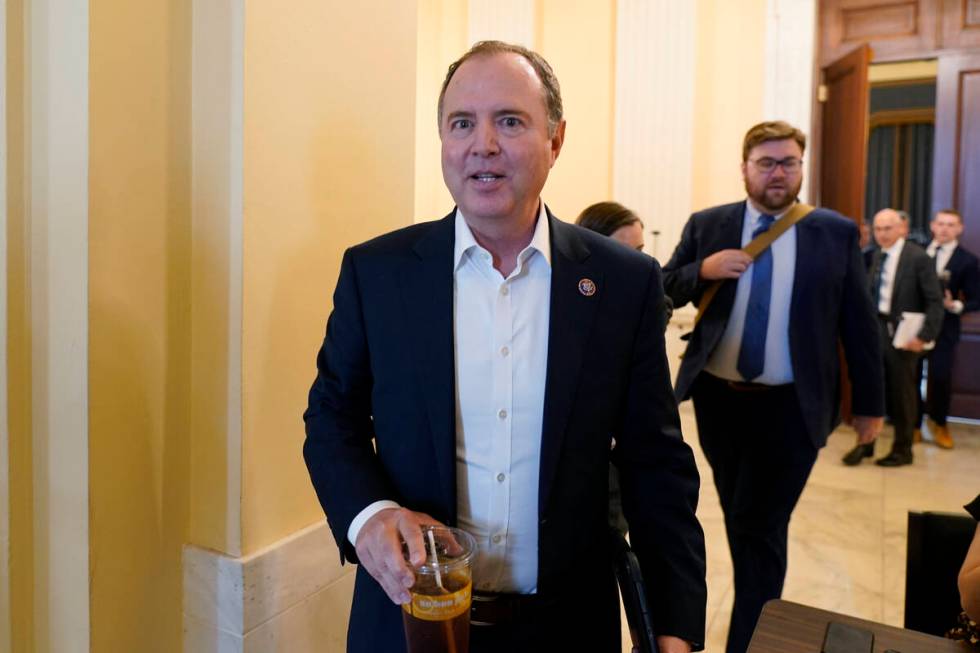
752,355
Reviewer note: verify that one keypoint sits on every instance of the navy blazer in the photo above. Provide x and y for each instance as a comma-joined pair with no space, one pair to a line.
830,304
963,284
386,372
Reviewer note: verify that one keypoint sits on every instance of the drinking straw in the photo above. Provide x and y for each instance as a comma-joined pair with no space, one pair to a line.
435,559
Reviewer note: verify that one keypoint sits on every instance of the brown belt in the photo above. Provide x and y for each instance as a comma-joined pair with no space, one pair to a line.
498,609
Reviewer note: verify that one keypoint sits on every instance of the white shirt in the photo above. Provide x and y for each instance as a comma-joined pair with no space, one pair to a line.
501,351
778,368
942,254
888,276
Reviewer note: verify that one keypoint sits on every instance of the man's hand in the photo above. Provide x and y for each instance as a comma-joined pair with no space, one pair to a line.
915,345
379,548
867,427
669,644
725,264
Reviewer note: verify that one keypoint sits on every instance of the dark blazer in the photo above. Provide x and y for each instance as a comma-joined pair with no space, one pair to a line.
830,304
386,372
963,284
916,289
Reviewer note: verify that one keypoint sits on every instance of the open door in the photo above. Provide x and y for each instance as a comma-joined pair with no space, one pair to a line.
955,174
844,133
844,152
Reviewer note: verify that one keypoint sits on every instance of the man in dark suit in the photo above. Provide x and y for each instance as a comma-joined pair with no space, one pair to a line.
902,280
475,372
959,275
762,365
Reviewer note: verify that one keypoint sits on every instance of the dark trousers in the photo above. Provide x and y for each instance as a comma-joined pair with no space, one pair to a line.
756,443
940,380
901,391
580,620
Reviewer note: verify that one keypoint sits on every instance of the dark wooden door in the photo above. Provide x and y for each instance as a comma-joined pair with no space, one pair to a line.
844,133
844,152
956,184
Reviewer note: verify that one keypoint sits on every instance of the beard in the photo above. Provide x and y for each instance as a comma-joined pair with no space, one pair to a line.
774,196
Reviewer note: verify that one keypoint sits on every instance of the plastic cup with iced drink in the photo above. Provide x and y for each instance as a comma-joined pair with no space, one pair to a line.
437,619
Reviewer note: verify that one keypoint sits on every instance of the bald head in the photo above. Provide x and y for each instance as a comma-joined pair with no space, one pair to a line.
887,227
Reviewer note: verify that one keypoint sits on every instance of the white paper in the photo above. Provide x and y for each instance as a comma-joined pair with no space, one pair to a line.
908,328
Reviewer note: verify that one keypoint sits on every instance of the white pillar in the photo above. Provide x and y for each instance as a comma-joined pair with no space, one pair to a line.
57,67
655,77
513,21
790,42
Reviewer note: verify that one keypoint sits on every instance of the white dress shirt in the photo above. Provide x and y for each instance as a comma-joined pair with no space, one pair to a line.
501,351
942,254
778,368
888,276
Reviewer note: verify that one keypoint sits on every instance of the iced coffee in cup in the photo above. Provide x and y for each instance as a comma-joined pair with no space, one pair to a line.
437,619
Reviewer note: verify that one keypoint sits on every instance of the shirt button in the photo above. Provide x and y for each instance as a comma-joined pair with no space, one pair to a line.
504,291
496,539
502,414
500,477
504,351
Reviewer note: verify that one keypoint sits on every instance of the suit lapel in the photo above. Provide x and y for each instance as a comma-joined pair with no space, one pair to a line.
427,297
570,323
730,237
902,272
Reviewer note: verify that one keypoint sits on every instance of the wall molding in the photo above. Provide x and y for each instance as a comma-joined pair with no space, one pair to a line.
5,636
289,596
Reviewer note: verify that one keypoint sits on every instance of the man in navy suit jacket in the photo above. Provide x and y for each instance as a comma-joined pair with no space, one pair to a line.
960,276
477,370
762,363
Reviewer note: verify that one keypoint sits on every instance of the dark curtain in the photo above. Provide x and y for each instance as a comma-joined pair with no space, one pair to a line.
881,164
919,184
900,174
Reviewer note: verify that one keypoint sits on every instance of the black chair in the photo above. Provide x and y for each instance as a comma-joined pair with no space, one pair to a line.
937,545
633,591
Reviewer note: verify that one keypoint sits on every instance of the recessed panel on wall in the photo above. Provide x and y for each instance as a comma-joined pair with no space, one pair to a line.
895,29
961,24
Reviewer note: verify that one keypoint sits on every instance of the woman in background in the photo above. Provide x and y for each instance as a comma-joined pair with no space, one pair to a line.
614,220
619,223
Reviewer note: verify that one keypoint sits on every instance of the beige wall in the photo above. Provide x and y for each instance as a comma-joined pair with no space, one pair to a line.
139,248
728,95
578,39
328,155
441,39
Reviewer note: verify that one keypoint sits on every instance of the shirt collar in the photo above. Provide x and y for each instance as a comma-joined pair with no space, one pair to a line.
753,214
895,248
540,240
948,247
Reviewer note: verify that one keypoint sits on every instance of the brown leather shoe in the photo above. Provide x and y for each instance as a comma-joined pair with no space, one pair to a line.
942,438
916,436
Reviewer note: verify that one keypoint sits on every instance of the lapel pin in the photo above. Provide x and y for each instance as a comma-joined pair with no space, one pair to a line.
586,287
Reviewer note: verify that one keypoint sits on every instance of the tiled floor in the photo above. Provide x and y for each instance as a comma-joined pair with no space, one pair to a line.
847,537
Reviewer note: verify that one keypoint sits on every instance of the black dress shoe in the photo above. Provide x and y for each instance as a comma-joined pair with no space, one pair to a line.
895,460
857,454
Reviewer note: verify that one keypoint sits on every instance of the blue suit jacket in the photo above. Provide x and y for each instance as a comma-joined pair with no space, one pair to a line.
386,371
830,304
963,284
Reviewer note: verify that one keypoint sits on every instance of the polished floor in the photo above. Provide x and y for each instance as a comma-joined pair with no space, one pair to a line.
847,537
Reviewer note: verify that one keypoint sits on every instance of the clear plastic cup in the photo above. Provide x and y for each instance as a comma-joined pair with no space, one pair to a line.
437,619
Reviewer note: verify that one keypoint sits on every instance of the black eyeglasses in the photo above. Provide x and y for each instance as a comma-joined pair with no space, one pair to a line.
768,164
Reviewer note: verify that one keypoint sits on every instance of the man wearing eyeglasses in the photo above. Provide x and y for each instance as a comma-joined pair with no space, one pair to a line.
762,364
